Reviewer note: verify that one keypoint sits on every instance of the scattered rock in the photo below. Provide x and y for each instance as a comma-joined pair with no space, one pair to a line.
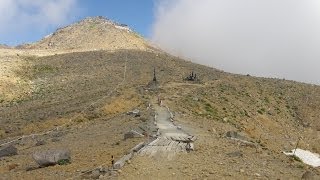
132,134
237,136
128,135
52,157
102,169
137,147
135,112
121,162
305,124
286,136
257,174
113,173
40,143
95,174
271,112
8,151
213,130
196,99
232,134
190,147
225,119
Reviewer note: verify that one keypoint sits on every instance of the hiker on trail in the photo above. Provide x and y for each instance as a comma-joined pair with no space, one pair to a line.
112,160
159,101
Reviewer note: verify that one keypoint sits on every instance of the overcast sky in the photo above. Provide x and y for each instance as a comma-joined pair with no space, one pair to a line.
272,38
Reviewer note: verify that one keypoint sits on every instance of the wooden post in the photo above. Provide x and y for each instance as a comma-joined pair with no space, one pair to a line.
296,147
154,75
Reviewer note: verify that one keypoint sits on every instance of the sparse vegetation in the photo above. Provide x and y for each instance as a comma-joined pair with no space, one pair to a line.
210,110
43,68
260,112
296,158
64,162
301,166
88,88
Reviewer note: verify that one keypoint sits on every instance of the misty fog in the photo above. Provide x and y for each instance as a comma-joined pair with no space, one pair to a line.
269,38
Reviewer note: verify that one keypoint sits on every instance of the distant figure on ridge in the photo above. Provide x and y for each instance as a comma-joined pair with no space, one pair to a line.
154,84
192,77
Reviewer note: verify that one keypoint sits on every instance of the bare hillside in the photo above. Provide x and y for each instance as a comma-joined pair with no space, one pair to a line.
80,101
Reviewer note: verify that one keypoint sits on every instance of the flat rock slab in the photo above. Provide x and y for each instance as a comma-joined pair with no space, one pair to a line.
8,151
51,157
137,147
164,146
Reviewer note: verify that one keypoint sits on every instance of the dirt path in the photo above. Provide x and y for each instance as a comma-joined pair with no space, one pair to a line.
171,138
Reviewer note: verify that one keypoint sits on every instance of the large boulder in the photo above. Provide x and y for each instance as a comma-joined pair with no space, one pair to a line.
8,151
232,134
52,157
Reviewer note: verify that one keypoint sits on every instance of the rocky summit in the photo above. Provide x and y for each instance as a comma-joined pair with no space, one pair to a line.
93,33
96,100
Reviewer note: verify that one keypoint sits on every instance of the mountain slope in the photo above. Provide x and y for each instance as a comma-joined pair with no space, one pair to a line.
92,34
4,46
83,98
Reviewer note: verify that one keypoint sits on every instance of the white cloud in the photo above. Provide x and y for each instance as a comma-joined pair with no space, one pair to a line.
273,38
20,16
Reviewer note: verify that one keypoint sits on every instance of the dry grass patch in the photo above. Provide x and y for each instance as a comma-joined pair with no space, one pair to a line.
42,126
122,104
12,86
